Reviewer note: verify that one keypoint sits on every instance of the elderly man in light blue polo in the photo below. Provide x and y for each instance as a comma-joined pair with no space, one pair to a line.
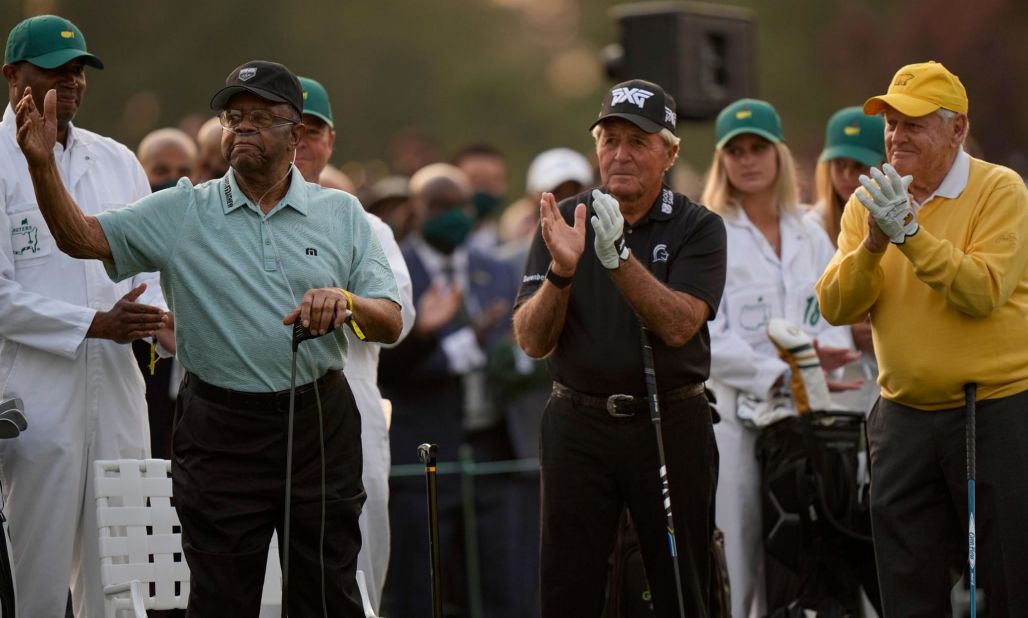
241,259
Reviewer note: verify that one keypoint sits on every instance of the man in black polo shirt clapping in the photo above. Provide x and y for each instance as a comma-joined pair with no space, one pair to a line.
648,257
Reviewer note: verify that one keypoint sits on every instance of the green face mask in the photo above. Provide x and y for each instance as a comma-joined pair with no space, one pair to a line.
485,203
447,230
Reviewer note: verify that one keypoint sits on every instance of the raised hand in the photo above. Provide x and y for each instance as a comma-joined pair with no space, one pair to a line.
885,198
609,225
436,307
566,243
37,133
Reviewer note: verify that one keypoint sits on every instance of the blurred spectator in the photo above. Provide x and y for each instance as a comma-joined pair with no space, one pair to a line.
440,387
312,155
334,178
389,199
486,168
411,150
211,162
166,155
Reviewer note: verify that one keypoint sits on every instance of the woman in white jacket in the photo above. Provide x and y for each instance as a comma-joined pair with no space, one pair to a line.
774,259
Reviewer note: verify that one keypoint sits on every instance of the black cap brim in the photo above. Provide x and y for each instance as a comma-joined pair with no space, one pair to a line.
221,98
643,123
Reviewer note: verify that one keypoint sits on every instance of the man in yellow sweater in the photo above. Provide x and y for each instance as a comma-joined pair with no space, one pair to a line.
949,306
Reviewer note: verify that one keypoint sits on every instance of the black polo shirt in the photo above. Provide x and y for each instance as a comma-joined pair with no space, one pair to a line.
600,348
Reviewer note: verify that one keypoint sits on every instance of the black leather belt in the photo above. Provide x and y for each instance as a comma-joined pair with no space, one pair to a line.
623,405
278,400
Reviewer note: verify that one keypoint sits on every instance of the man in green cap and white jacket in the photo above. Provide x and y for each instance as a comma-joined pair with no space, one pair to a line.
64,326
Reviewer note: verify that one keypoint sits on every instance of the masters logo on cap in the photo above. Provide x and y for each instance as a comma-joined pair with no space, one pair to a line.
748,116
47,41
643,103
852,134
920,89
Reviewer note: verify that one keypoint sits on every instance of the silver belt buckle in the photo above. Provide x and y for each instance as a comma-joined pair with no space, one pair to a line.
612,405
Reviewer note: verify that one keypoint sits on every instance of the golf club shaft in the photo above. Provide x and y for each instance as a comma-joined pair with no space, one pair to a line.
427,454
970,393
665,490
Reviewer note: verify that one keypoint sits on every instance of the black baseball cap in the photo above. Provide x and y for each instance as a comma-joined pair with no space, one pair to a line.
270,81
643,103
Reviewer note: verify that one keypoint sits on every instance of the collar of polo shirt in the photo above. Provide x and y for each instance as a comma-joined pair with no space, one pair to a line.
233,197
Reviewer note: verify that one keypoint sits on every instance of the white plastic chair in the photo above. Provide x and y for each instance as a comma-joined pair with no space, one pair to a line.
141,561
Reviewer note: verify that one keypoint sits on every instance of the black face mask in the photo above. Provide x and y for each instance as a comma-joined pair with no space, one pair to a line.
164,185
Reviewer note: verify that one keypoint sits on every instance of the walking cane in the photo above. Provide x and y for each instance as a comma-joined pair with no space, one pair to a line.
969,436
427,455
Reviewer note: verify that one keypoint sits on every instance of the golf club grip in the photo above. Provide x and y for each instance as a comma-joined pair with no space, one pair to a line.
970,393
302,333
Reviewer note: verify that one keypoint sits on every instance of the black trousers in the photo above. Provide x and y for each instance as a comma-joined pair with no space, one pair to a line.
919,506
592,466
228,475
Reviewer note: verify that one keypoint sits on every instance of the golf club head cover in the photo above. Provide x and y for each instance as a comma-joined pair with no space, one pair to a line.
796,348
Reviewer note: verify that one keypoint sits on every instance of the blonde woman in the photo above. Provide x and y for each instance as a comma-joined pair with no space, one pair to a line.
774,259
854,142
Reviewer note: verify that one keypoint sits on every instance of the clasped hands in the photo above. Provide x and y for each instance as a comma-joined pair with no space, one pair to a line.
884,195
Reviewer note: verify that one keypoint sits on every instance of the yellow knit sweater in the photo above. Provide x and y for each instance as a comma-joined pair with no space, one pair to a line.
949,305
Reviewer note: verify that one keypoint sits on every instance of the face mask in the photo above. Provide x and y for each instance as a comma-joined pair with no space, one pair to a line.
164,185
485,203
447,230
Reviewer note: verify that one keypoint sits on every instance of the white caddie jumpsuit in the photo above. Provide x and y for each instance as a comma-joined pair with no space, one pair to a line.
759,286
84,398
362,374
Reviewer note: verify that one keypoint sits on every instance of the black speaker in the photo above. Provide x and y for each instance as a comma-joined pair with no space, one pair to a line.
702,54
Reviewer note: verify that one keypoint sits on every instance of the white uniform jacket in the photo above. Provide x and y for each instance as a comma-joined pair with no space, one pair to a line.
84,398
759,286
362,375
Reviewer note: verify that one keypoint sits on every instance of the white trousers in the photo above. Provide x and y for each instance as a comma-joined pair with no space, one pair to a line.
738,507
373,558
78,411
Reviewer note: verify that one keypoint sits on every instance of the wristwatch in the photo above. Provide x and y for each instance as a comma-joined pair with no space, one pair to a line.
558,282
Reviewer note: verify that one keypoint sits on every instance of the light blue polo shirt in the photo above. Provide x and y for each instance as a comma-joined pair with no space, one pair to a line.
224,269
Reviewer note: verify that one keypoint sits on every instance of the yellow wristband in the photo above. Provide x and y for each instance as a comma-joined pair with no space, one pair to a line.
352,322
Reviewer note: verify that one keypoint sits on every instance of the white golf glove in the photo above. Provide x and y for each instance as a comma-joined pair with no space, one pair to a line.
609,226
885,198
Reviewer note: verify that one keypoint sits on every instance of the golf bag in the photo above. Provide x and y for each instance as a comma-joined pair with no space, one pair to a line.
628,591
816,515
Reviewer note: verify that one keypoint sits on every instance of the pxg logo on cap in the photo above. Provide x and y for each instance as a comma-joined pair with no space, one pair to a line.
643,103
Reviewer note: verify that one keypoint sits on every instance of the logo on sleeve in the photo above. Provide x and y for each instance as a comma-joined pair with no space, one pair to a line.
636,96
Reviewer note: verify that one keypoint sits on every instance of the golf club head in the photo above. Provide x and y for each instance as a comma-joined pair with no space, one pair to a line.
16,416
14,403
8,429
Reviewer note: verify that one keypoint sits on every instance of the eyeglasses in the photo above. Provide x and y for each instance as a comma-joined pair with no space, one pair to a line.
259,119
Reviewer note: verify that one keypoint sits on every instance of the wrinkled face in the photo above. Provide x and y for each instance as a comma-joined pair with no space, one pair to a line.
751,163
632,161
315,148
845,174
922,146
248,149
69,80
166,162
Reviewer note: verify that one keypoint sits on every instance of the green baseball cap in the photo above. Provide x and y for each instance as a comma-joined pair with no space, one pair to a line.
852,134
748,116
315,100
47,41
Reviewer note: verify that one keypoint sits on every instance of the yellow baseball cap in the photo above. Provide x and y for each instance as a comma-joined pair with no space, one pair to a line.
920,89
